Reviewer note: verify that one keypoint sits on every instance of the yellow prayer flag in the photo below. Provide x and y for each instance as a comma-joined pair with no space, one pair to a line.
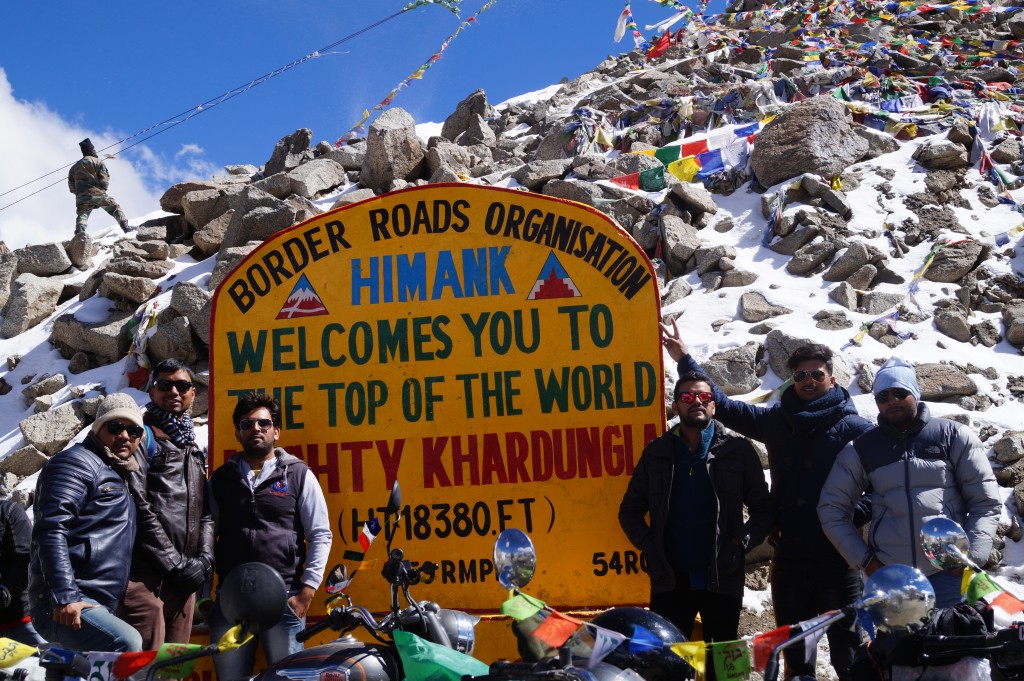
12,652
229,641
685,168
693,652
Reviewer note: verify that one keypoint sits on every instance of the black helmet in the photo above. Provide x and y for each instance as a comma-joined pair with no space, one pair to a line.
654,665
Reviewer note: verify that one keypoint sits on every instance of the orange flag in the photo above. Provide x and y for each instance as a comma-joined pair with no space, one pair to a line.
556,629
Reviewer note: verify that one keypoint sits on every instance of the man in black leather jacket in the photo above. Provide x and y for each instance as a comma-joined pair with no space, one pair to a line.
83,534
174,557
15,539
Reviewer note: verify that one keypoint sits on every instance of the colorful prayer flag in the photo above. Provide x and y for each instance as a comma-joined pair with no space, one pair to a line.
643,639
694,652
127,664
765,643
605,641
556,629
169,651
521,606
732,660
12,652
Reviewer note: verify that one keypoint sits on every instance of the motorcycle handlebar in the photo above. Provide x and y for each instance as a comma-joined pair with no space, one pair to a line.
309,632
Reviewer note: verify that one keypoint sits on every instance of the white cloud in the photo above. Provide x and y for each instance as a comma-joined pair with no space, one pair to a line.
37,142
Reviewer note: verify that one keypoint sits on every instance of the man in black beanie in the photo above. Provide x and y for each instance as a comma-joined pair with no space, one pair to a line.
88,180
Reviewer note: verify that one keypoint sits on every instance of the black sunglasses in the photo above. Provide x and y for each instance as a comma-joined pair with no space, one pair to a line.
165,384
801,376
115,428
687,398
247,424
898,393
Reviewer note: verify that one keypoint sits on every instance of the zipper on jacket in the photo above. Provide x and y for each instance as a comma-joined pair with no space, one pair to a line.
910,502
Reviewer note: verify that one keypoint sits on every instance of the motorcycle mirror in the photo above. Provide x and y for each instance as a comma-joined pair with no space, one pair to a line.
395,500
899,599
515,559
337,579
946,545
254,594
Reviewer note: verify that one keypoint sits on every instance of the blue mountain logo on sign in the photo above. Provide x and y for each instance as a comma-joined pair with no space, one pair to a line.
302,302
553,282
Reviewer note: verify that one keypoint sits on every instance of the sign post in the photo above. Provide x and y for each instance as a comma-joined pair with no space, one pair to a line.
494,351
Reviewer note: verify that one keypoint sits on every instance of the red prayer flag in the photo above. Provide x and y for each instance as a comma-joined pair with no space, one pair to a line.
631,181
128,663
556,629
663,44
765,643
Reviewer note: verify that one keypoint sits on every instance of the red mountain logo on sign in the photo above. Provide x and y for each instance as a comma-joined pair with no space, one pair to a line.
302,302
553,282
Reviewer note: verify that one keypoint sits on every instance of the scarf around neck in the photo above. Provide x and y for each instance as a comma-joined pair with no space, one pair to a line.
178,428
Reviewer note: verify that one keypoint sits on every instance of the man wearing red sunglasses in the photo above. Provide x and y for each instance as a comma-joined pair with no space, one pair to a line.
692,484
918,467
803,433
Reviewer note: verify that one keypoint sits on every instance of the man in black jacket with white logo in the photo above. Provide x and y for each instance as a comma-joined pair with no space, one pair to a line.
173,554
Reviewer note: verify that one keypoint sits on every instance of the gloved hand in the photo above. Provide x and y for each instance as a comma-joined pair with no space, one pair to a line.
5,596
187,576
207,561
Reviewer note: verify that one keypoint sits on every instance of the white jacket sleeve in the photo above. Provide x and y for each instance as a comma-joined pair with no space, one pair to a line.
843,488
317,525
977,484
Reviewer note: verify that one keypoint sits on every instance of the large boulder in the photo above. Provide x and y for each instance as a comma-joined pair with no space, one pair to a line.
942,381
1013,320
952,262
50,431
8,273
32,300
107,340
316,177
290,151
735,370
466,112
393,151
814,136
43,259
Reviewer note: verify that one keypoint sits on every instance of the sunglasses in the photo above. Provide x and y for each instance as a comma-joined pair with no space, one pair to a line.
165,384
114,428
801,376
247,424
898,393
688,398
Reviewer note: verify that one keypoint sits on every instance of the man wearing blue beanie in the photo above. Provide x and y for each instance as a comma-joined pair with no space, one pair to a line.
918,467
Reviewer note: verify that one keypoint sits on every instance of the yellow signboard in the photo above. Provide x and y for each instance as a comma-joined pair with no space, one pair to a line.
494,351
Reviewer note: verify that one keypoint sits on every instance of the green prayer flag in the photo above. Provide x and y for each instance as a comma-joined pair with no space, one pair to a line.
652,179
667,154
521,606
426,661
181,670
732,660
981,586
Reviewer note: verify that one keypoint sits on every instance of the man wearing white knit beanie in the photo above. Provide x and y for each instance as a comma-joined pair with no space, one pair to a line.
83,533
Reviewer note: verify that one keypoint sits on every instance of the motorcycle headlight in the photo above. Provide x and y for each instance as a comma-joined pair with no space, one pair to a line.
460,628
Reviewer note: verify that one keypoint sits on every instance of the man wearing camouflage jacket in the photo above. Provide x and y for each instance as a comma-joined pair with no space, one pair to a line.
88,180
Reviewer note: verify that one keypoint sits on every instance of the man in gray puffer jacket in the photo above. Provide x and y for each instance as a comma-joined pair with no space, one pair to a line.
918,467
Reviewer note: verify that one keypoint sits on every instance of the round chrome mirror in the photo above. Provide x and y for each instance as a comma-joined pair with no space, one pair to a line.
899,599
514,559
945,544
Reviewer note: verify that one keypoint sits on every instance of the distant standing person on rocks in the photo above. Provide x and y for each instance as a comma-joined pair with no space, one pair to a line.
88,180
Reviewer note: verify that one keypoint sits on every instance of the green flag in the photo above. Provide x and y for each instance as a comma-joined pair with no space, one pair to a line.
521,606
732,660
426,661
652,179
981,585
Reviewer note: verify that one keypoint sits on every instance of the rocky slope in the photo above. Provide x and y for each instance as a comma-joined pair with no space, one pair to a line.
843,174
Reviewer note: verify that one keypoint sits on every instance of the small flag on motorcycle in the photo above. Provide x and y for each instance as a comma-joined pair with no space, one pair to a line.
370,531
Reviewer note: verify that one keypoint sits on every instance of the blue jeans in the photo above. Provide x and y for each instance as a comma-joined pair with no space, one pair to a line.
24,633
101,630
278,642
947,589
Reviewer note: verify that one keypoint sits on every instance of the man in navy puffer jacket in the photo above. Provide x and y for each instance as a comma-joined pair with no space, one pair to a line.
803,434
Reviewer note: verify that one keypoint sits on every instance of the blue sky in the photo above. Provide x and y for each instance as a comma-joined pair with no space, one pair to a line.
112,68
